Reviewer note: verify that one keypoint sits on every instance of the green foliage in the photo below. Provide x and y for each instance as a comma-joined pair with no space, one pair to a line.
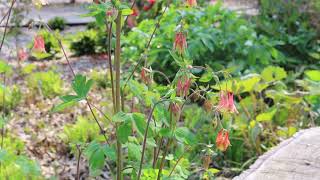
81,87
273,101
5,68
57,23
12,96
18,166
13,144
48,84
292,26
28,69
216,37
51,45
101,79
14,164
84,43
89,42
96,154
83,131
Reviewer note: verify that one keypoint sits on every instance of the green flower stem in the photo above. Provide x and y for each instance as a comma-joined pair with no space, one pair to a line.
117,93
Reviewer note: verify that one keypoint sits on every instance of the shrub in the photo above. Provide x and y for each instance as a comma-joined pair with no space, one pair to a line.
90,42
291,24
49,84
215,36
57,23
92,25
84,43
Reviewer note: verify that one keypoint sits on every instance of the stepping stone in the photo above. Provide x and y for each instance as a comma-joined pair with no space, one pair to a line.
71,13
297,158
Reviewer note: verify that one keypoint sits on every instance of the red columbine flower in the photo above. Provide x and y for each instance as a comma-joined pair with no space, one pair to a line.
222,140
22,54
183,86
226,103
39,44
192,3
149,5
180,43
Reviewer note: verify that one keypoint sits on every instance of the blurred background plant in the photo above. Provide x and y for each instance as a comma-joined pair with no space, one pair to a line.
57,23
47,84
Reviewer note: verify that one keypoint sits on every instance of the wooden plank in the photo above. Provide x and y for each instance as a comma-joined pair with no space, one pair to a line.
297,158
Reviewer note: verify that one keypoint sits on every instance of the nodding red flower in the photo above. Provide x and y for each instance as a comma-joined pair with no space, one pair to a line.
183,86
175,108
135,12
192,3
222,140
180,43
149,5
144,77
22,54
39,44
226,103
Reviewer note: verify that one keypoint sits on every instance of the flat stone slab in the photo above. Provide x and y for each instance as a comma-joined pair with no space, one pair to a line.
297,158
71,13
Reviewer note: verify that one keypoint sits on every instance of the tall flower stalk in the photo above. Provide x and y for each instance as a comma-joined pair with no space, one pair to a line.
117,93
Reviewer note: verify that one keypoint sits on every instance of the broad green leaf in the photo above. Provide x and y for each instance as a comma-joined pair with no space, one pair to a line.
96,156
68,98
127,12
266,116
122,117
63,106
213,170
151,142
41,55
134,151
161,114
244,84
273,73
81,86
291,131
183,134
165,132
141,124
123,132
207,76
313,75
315,55
109,152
